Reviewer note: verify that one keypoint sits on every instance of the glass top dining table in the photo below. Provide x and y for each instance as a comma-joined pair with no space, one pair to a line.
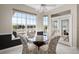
39,43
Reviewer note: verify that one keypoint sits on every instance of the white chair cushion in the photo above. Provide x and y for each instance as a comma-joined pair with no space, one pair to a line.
13,36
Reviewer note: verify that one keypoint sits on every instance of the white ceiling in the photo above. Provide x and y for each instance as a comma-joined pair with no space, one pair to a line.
48,6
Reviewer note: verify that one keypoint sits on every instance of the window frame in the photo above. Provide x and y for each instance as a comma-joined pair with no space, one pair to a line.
32,24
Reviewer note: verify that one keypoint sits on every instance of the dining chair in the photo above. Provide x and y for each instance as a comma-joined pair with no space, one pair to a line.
31,34
50,48
28,48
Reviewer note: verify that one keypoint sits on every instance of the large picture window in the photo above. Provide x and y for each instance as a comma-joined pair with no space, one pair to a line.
21,20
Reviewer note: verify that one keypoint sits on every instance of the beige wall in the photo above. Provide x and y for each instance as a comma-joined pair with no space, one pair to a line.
5,19
78,26
73,9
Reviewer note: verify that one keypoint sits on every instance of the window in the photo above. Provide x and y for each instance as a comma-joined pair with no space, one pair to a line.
31,21
21,19
45,20
45,24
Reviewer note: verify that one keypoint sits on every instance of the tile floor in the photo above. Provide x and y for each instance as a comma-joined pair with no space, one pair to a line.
61,49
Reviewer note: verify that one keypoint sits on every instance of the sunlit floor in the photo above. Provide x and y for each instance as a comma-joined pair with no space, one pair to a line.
61,49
